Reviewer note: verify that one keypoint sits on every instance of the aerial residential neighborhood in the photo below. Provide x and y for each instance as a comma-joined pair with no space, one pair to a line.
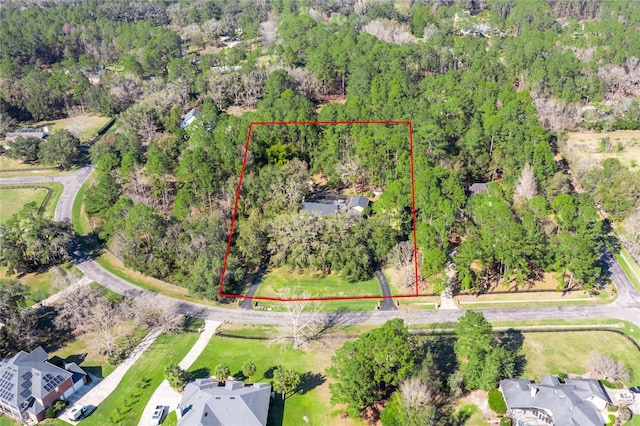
320,212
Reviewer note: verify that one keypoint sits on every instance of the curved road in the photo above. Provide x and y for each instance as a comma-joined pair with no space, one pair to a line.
625,307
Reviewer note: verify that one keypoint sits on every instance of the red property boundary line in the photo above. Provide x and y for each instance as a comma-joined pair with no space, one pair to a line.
235,211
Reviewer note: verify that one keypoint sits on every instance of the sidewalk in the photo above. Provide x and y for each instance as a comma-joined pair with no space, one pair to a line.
165,395
103,389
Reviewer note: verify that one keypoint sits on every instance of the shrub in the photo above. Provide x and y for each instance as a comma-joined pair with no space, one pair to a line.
562,377
610,385
625,414
612,420
496,402
176,376
505,421
612,408
54,409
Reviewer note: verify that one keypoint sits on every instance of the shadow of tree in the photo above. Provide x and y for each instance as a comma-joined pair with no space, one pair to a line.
310,381
444,355
268,374
199,373
512,340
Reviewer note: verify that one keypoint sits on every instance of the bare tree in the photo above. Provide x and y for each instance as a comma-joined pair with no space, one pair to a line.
268,30
527,186
108,319
77,307
389,31
401,257
416,393
609,368
349,170
300,323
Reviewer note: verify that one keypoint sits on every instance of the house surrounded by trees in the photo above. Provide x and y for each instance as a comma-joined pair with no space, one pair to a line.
29,384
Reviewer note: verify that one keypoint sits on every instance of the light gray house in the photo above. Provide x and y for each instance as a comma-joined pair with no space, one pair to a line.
576,402
478,188
29,384
189,118
232,403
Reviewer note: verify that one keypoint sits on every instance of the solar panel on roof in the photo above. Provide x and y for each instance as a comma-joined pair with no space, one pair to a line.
27,375
25,393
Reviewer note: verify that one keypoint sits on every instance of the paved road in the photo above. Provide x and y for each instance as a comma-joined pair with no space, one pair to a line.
625,307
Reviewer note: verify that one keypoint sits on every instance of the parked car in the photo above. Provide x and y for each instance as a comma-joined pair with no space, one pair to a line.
156,418
76,412
634,389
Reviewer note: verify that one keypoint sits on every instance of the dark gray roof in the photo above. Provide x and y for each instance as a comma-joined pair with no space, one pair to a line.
323,209
77,372
26,376
568,404
207,402
358,201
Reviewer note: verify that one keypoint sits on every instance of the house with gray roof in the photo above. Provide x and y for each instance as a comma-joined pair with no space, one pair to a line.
576,402
330,204
190,117
478,188
29,384
209,402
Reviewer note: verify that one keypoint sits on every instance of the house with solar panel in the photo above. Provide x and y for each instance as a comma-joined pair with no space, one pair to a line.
29,384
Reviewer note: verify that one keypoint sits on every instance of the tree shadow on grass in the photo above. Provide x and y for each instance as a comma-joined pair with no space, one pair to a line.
512,340
268,374
309,381
200,373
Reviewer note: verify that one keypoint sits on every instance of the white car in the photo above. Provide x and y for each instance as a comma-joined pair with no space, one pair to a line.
158,412
76,412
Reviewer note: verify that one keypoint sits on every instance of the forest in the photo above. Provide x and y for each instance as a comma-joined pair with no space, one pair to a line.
488,86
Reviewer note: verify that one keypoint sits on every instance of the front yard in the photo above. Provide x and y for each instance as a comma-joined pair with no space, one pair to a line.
126,403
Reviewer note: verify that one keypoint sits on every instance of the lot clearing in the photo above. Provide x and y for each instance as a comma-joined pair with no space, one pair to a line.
85,126
585,147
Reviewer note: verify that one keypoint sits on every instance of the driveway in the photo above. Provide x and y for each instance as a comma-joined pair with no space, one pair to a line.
165,395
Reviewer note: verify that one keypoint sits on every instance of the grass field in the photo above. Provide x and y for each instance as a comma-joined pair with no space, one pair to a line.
84,126
312,401
126,403
280,282
581,145
13,198
570,352
42,284
10,168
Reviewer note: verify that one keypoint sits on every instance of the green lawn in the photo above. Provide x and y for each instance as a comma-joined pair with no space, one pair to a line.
13,199
312,403
126,403
570,352
281,282
78,216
